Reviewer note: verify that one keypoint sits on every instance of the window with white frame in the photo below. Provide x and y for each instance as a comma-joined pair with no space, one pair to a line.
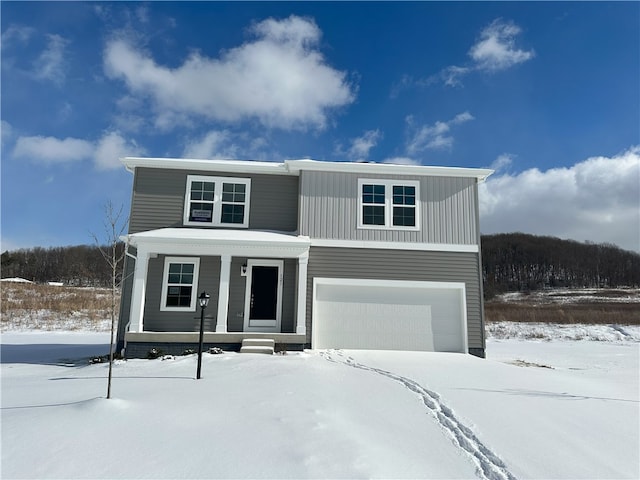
217,201
179,284
388,204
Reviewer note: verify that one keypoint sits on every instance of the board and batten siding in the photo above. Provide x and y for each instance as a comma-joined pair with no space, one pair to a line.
159,195
385,264
329,209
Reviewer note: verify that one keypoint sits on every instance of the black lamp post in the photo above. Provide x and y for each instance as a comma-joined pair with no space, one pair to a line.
203,299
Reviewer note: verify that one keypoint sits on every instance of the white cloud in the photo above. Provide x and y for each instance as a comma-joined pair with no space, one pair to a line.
105,152
503,162
434,137
50,65
596,200
224,144
7,132
111,147
215,144
496,48
362,145
51,150
19,33
279,78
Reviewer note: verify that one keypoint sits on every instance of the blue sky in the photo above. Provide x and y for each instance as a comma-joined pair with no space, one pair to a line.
546,93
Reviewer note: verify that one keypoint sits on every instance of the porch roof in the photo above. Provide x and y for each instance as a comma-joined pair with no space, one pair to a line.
204,241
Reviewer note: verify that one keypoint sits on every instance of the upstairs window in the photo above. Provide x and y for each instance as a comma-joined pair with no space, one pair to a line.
388,204
217,201
179,284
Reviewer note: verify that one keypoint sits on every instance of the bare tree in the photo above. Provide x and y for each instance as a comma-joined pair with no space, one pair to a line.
114,227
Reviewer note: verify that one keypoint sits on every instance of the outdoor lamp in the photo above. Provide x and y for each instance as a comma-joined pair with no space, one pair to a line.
203,299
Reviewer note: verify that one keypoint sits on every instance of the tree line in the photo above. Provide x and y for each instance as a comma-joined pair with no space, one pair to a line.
510,262
80,265
520,262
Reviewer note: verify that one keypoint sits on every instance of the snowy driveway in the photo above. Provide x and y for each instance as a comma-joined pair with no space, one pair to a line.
352,414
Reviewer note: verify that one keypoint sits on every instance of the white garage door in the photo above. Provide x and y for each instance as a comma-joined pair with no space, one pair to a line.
389,315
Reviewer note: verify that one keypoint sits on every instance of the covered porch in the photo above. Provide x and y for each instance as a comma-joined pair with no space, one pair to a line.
257,281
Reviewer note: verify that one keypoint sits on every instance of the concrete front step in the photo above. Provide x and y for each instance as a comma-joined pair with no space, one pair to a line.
258,342
258,345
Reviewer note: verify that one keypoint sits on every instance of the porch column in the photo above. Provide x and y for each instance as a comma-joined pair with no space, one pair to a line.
138,293
223,293
301,327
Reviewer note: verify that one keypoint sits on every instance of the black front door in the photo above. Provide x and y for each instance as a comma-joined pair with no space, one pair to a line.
264,293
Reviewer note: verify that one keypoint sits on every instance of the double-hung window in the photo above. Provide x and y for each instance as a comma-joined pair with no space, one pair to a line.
179,284
217,201
388,204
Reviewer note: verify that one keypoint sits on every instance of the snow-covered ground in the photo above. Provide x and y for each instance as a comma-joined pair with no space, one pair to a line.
533,409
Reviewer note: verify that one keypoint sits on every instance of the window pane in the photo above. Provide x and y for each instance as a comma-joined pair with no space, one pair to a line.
201,212
202,191
187,278
373,194
372,215
233,192
187,267
404,216
404,195
174,278
175,267
232,213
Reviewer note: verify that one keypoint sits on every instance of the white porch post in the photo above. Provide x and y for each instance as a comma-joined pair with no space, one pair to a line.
138,293
301,327
223,293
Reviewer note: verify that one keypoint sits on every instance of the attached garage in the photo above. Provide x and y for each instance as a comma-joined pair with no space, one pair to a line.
351,313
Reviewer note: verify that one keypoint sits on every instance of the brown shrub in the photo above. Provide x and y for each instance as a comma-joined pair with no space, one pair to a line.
591,313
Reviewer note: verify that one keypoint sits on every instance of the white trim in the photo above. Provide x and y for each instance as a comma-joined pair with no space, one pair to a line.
216,242
427,247
301,310
364,282
195,261
294,167
138,291
388,203
226,166
223,293
266,325
216,214
387,169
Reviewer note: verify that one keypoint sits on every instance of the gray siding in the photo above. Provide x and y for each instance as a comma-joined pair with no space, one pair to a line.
209,275
158,199
237,289
158,321
329,209
401,265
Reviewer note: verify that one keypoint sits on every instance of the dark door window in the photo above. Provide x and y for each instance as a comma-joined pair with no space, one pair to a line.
264,293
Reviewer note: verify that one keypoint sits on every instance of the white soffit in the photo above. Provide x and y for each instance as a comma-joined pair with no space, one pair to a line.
294,167
232,166
218,236
387,169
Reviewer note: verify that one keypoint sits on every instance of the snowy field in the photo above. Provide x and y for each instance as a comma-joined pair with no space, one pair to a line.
544,408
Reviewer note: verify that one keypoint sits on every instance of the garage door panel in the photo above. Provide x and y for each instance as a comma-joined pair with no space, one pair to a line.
388,315
382,326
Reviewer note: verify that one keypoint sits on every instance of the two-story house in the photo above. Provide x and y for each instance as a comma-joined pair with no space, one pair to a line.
311,254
